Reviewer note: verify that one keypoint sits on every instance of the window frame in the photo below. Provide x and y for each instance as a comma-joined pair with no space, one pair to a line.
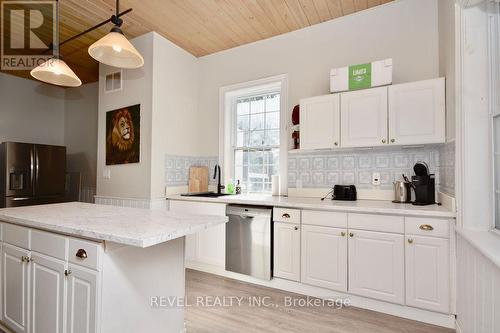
227,121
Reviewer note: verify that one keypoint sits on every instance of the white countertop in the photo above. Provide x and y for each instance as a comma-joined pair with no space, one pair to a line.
123,225
359,206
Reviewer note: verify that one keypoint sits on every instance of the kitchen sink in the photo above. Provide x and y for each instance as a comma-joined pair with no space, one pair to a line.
205,194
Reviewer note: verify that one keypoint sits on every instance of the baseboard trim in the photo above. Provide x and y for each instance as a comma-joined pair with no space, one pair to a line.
397,310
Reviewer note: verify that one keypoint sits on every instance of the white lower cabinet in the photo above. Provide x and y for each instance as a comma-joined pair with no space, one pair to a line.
287,251
324,257
15,288
207,246
47,294
82,309
376,265
427,273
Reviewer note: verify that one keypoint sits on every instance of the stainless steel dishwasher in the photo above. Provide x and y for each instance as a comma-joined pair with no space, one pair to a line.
248,241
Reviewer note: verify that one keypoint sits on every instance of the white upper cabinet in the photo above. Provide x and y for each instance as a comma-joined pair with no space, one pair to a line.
417,112
364,118
320,122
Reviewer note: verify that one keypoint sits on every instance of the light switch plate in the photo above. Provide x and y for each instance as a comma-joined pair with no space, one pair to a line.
376,178
106,173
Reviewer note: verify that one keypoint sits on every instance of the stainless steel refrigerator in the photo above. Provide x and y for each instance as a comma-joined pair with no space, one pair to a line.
31,174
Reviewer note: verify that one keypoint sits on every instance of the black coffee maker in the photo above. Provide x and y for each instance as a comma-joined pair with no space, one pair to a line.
424,185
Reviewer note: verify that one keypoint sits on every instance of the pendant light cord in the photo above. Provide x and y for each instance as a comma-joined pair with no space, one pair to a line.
56,41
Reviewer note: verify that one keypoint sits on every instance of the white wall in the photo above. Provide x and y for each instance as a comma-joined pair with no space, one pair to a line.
80,131
406,30
128,180
175,108
30,111
447,61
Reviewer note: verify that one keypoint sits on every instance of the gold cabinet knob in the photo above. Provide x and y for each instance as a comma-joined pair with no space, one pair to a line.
342,234
393,140
81,253
285,216
296,228
383,141
351,234
24,259
67,272
426,227
336,144
410,240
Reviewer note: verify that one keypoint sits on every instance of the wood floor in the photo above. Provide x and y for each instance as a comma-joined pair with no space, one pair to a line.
275,316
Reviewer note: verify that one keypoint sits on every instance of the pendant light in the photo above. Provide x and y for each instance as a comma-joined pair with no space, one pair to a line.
55,70
114,49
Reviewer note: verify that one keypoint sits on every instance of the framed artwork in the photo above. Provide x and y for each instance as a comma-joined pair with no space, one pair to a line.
123,133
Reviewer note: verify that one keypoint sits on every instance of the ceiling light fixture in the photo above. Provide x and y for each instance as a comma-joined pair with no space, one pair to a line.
114,49
55,70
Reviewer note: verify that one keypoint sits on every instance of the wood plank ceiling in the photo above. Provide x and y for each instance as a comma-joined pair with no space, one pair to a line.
200,27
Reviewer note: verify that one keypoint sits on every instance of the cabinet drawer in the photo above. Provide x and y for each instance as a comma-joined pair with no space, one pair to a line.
85,253
383,223
286,215
49,244
427,227
16,235
325,219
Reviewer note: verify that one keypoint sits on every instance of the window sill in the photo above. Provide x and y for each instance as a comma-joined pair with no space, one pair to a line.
485,241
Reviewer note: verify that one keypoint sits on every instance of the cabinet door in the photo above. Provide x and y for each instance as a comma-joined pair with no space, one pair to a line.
364,118
48,285
376,265
324,257
427,273
417,112
15,287
320,122
82,300
287,251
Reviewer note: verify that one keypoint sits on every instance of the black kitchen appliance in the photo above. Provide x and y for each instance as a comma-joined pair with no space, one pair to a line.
31,174
344,193
423,184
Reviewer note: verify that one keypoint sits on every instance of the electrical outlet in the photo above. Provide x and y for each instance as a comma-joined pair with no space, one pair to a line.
376,178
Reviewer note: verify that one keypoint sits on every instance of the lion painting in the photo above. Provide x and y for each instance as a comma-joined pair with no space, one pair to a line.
122,141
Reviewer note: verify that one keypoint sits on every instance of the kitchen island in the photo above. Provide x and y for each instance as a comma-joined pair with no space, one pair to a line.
79,267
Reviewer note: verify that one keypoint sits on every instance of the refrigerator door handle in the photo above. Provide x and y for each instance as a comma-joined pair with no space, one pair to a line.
37,168
21,199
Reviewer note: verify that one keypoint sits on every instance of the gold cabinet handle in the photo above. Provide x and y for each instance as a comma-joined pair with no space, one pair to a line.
29,259
67,272
393,140
342,234
426,227
81,253
336,144
351,234
410,240
296,228
383,141
285,216
24,259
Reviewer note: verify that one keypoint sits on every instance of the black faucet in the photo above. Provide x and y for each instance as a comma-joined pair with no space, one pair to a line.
220,187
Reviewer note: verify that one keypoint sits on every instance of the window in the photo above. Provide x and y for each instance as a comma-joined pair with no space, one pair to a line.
256,141
253,136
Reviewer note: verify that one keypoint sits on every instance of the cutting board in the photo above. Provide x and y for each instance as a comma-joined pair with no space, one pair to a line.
198,179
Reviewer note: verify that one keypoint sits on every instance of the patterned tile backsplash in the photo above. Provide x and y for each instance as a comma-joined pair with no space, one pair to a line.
323,169
447,168
327,168
177,168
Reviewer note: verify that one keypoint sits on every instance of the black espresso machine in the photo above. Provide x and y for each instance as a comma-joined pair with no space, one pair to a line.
424,185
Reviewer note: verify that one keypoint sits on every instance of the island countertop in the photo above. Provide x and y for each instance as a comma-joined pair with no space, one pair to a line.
129,226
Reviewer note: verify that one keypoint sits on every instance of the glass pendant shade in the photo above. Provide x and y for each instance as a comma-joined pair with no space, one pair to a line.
115,50
56,71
